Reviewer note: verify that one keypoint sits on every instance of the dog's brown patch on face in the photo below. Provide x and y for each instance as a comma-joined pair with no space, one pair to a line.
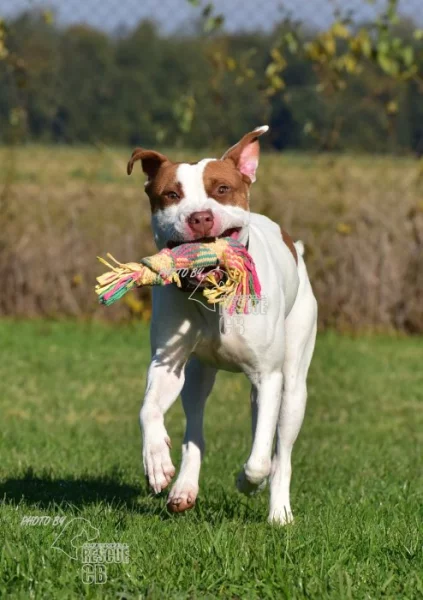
164,189
224,183
290,243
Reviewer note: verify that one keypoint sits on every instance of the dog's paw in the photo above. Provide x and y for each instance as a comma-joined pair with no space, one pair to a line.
282,516
158,465
182,497
253,478
247,487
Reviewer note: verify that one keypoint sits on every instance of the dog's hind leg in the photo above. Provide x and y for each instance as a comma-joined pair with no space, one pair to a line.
199,380
300,329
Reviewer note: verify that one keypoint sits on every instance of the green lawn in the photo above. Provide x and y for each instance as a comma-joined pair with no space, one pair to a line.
70,446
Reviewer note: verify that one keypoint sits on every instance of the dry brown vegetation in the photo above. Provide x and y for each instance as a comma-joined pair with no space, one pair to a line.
361,219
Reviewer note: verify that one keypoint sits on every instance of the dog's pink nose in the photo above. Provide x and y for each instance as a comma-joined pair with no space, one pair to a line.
201,222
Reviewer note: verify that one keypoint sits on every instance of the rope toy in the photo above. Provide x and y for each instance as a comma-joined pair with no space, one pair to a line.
237,290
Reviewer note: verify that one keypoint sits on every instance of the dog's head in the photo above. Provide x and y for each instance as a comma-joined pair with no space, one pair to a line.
196,201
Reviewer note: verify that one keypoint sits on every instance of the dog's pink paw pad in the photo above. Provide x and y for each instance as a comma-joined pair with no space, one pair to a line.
180,504
182,500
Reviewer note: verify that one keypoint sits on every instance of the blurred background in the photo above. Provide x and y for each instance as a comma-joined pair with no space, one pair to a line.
339,83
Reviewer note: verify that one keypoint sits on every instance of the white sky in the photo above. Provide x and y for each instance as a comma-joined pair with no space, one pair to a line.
176,14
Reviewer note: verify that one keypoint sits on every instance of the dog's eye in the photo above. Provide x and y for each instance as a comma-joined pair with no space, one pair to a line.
223,189
172,195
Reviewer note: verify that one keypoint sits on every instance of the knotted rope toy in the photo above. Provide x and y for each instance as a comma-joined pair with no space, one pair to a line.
237,290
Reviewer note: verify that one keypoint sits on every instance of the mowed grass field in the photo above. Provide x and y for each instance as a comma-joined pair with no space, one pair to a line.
70,447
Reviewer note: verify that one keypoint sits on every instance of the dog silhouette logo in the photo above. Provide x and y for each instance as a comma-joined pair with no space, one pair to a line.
80,531
197,296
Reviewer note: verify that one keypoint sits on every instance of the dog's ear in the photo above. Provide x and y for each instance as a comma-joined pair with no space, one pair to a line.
151,161
245,154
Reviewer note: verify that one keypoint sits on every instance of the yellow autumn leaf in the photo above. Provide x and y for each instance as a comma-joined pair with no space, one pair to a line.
77,280
314,52
278,58
275,54
392,107
135,306
344,228
230,63
349,63
340,30
48,17
361,44
329,44
277,83
271,69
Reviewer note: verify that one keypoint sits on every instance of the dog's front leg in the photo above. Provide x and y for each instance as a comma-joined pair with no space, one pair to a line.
199,380
266,400
164,385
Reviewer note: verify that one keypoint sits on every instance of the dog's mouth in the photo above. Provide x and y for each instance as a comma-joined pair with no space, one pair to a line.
232,232
191,281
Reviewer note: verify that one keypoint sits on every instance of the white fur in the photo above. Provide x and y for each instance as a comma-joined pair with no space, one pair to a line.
300,247
273,347
262,129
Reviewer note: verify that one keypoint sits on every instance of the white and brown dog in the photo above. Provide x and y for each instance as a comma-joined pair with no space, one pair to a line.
273,347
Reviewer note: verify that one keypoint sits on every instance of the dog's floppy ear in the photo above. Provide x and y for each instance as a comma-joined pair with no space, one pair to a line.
245,154
151,161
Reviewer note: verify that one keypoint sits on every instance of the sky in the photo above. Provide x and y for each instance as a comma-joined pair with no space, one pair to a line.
174,15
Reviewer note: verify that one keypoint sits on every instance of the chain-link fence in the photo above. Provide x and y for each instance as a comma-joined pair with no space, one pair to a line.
339,83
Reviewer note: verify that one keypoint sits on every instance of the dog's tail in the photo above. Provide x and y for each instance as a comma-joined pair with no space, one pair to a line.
299,246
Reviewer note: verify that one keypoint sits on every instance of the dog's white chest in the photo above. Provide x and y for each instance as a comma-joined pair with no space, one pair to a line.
222,343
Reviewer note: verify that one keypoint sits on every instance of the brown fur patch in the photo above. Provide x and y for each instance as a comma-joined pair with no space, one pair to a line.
290,243
223,172
151,161
164,182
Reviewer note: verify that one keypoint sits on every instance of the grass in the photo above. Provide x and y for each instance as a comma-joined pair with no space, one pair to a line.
360,217
70,446
54,165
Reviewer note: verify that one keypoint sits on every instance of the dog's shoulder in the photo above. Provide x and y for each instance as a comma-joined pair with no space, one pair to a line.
269,227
